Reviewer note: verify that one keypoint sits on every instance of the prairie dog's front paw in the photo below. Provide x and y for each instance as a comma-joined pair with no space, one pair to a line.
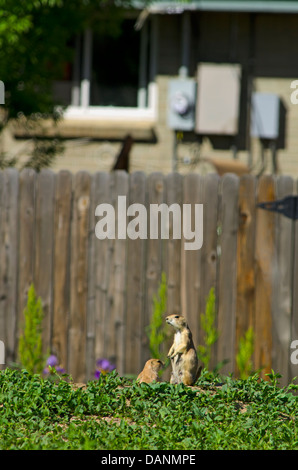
171,356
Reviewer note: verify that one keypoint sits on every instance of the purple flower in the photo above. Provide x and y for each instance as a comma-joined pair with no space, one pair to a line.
52,361
103,366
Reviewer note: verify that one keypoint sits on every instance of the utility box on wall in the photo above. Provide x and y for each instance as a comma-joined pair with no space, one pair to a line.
218,97
265,116
181,104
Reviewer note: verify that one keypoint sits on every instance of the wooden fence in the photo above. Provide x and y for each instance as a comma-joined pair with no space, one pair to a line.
97,294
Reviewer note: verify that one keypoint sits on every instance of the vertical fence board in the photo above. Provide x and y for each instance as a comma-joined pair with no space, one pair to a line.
110,346
172,259
102,266
116,280
294,312
209,249
9,188
135,282
109,325
91,304
78,276
3,261
117,275
190,259
61,266
156,189
245,258
43,269
26,238
227,271
282,284
264,254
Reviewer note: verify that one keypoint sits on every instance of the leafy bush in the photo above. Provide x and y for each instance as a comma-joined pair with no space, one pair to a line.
114,413
243,357
30,343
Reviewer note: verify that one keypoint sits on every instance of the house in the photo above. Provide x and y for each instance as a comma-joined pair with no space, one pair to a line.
232,69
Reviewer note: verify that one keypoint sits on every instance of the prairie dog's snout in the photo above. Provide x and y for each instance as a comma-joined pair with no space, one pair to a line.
177,321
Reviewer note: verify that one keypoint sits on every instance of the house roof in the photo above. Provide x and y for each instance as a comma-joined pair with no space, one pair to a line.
174,6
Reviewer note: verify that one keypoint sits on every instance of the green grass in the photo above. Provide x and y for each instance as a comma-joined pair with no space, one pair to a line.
115,413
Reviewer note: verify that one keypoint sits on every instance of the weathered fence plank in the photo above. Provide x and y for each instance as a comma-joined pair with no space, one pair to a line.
3,261
90,309
117,282
11,248
26,238
154,260
78,276
245,307
190,259
264,253
227,271
102,266
172,257
44,237
135,281
61,266
282,284
209,249
9,184
110,344
294,295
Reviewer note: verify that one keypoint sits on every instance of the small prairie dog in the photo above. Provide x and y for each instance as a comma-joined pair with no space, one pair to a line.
150,372
183,355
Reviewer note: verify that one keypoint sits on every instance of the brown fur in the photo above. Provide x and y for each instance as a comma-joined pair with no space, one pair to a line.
183,355
150,372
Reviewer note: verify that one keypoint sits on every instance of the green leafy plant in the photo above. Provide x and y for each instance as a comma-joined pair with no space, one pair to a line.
30,343
115,414
156,330
245,351
208,326
274,376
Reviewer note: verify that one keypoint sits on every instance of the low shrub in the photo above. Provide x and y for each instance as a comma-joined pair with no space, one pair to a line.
116,413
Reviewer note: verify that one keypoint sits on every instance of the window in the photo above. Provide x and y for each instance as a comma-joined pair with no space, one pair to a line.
115,68
112,77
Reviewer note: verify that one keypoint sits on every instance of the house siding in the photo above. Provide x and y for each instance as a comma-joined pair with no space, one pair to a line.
265,45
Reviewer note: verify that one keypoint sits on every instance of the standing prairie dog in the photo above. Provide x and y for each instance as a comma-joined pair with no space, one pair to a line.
183,355
150,372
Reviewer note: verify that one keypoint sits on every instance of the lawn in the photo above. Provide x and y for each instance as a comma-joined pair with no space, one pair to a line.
116,413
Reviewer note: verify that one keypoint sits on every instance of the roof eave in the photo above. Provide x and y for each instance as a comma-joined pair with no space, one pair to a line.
245,6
